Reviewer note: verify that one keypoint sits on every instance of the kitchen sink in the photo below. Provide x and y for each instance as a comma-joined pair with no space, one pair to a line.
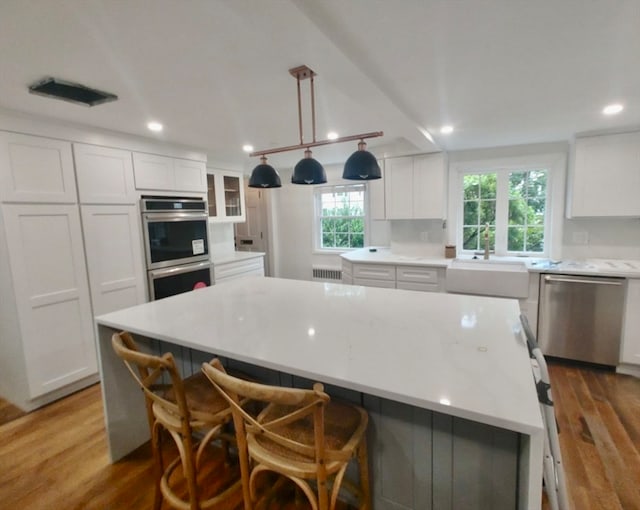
502,278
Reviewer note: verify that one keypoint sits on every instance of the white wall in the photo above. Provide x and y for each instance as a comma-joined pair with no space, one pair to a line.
221,239
292,214
292,207
604,238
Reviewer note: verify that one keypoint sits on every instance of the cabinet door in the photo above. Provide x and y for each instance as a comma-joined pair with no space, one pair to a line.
398,183
238,269
630,352
190,175
233,186
225,192
52,294
113,243
429,186
105,175
36,169
153,172
606,176
376,196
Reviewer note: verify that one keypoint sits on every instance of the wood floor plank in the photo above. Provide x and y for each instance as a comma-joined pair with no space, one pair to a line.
600,409
56,457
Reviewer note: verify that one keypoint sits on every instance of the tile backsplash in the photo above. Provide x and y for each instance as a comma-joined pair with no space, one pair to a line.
221,238
607,238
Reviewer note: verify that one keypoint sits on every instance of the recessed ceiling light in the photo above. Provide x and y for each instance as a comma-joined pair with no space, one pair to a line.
612,109
332,135
247,148
154,126
446,130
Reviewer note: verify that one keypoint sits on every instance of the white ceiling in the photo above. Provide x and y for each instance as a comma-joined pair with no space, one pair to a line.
215,72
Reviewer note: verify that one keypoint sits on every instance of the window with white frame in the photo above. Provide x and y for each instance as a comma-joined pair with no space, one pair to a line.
509,206
340,217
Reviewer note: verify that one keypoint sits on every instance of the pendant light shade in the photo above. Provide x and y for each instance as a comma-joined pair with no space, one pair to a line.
361,165
308,171
264,176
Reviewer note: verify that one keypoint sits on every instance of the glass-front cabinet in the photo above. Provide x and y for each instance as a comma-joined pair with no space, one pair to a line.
225,193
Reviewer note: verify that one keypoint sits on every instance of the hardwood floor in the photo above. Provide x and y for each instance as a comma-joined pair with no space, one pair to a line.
598,413
56,457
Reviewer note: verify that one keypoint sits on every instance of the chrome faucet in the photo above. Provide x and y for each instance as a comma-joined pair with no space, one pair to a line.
486,242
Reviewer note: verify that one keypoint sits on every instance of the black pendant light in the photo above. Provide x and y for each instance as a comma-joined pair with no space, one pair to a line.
264,176
361,165
308,171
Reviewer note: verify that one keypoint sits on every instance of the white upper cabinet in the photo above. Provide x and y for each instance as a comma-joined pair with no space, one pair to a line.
153,172
190,175
36,169
105,175
398,188
415,187
605,176
225,194
376,195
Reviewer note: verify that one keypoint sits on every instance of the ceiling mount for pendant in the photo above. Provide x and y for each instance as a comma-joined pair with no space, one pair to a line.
360,165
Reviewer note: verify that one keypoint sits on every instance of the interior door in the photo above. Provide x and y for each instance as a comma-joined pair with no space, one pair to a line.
252,235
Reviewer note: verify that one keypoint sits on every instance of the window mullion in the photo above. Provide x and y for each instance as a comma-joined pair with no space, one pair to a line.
502,211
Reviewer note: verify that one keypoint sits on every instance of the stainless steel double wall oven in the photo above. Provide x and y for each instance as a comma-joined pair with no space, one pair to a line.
176,244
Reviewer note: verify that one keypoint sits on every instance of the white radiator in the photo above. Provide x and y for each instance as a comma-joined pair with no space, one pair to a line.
326,274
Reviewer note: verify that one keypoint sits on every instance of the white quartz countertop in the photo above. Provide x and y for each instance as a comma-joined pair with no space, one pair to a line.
589,267
386,256
235,256
460,355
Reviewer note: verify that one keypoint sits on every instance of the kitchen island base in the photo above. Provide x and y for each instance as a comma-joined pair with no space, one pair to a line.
419,459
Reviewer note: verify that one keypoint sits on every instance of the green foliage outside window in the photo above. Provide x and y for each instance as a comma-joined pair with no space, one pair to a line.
342,219
526,210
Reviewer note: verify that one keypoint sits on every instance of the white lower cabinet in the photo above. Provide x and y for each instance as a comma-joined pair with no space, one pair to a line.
347,272
425,279
630,350
225,271
113,244
50,294
374,275
420,278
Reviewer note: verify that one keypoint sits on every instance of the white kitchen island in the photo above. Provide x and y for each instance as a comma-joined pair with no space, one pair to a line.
455,421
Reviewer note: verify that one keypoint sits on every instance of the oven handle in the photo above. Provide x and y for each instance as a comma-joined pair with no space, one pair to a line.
174,216
186,268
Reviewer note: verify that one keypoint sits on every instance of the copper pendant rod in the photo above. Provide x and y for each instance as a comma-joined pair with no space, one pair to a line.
318,143
299,111
313,110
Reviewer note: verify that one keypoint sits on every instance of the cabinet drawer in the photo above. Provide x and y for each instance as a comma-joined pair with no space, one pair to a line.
370,282
374,271
422,287
239,268
417,274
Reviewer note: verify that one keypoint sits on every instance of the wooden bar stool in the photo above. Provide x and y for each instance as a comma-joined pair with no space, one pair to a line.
299,434
182,408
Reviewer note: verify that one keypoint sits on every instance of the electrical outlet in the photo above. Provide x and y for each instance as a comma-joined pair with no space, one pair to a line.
424,236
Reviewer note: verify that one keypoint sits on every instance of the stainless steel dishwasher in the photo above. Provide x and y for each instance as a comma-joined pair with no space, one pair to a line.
580,317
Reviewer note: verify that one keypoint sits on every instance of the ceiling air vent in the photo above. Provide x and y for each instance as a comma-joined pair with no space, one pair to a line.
72,92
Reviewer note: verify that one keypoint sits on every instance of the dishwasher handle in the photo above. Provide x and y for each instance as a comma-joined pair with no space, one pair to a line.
564,279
